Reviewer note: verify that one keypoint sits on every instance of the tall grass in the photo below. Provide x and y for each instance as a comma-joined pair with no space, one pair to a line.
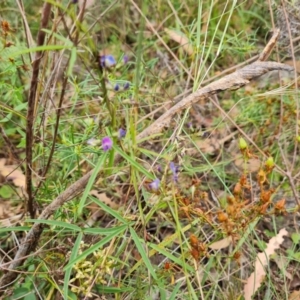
128,236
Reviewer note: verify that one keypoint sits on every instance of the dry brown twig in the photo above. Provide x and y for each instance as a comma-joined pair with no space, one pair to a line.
31,105
233,81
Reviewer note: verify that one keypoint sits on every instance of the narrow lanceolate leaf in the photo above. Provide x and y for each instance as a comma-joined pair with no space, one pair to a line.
134,163
56,223
142,252
72,258
92,179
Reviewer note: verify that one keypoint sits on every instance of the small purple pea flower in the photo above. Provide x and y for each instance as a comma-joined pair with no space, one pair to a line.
122,133
159,168
175,170
126,86
107,61
206,134
125,59
189,125
107,143
117,87
154,185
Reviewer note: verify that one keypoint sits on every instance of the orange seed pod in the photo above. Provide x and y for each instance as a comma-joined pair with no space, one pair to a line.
222,217
194,242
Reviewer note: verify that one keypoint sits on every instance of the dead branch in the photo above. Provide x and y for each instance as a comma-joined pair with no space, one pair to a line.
232,81
31,105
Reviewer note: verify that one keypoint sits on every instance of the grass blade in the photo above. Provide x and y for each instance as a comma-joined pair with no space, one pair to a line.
97,168
96,246
69,271
56,223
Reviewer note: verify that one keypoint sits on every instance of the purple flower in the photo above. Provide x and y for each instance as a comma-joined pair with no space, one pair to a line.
175,170
122,133
107,61
107,143
125,59
189,125
126,86
159,169
117,87
154,185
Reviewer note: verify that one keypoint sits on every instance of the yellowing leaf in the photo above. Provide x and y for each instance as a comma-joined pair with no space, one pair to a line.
12,173
295,295
103,198
9,215
224,243
252,165
181,39
256,278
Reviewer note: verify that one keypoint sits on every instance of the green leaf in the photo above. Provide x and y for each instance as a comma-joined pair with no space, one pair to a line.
134,163
100,231
175,291
42,48
269,233
72,61
9,229
20,107
296,256
91,181
22,143
6,118
58,5
69,271
293,255
295,237
6,191
20,292
109,210
11,112
109,290
67,41
56,223
245,237
30,296
171,257
142,252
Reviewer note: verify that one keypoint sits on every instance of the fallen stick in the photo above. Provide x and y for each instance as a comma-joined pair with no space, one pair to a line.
232,81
